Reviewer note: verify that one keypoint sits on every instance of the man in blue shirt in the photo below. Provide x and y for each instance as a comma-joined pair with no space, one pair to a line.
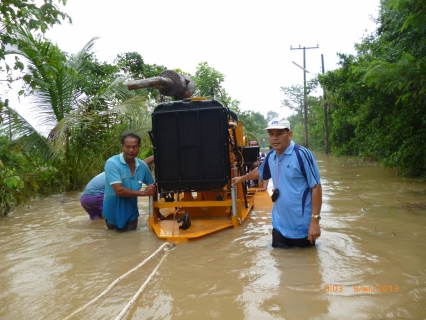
298,194
124,177
93,196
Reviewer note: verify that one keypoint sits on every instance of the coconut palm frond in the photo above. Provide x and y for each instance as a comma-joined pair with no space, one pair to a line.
83,130
137,106
56,79
135,113
79,60
51,79
30,139
115,92
58,137
76,120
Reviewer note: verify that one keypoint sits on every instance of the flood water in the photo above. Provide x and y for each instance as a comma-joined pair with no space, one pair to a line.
369,263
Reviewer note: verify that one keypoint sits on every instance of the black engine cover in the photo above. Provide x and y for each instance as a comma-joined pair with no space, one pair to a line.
190,140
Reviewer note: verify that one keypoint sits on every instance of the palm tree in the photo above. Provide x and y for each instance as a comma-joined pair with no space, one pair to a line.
81,127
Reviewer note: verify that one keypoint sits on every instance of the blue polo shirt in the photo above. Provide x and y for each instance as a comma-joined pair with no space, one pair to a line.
290,216
117,210
95,186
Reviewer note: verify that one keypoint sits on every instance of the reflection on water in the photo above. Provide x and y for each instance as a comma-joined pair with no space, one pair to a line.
369,263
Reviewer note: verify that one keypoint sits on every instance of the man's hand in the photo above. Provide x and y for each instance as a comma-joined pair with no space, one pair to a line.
151,190
314,231
237,180
252,175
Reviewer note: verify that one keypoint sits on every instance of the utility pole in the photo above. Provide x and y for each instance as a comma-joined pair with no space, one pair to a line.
305,106
325,110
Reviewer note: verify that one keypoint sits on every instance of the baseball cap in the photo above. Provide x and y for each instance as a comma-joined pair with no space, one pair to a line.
281,124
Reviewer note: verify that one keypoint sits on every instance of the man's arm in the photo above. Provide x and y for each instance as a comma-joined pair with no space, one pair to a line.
149,160
128,193
314,227
112,174
252,175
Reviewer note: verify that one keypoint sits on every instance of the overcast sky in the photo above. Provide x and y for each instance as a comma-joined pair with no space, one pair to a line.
247,41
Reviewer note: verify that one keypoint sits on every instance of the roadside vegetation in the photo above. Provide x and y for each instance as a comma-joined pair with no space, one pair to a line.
376,101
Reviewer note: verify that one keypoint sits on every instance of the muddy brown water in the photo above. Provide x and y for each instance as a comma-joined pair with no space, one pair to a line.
370,262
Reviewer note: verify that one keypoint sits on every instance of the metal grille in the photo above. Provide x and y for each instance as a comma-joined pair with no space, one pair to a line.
191,145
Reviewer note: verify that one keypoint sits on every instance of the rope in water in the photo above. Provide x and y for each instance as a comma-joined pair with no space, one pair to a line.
163,246
132,301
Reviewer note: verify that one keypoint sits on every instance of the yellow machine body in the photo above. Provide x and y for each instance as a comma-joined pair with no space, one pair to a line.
209,211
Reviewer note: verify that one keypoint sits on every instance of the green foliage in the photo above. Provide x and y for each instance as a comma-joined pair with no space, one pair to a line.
23,177
34,16
10,188
377,98
146,152
316,123
294,101
254,123
206,79
133,66
293,98
81,103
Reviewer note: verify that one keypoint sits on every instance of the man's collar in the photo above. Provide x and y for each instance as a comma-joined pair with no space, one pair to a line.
290,148
124,161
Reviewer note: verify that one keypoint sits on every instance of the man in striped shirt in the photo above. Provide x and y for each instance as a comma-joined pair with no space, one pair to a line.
297,192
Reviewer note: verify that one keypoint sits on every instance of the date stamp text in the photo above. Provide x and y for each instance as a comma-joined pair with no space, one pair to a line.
362,288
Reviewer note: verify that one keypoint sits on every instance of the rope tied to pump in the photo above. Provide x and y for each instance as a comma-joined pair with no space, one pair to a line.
167,248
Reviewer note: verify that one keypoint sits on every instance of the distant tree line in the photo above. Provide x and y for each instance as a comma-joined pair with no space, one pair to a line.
377,98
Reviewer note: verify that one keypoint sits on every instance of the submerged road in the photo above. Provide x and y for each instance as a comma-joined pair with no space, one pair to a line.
369,263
